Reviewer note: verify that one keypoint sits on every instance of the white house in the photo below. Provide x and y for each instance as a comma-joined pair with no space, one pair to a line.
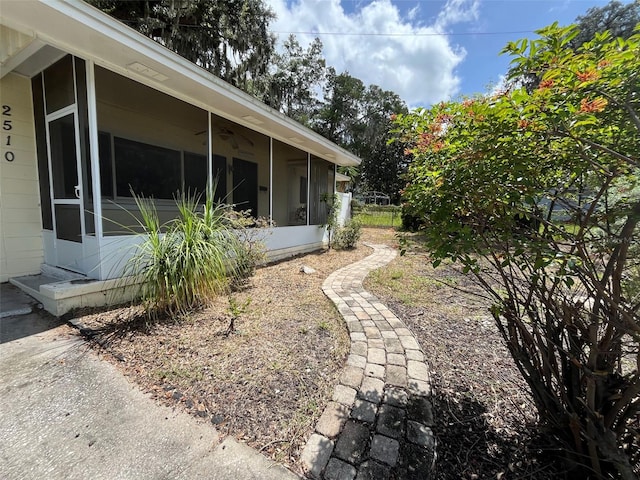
92,109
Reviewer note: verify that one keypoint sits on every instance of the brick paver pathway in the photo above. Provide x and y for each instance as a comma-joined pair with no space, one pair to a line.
377,425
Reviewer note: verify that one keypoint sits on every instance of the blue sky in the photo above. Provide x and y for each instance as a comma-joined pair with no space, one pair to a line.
424,50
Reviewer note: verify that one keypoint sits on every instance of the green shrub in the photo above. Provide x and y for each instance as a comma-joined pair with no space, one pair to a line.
563,156
347,236
410,221
251,251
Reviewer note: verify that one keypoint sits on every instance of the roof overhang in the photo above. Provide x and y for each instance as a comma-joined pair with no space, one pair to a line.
84,31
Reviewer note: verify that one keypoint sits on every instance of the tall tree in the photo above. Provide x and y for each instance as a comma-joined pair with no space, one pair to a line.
295,77
383,163
615,17
358,118
230,38
339,115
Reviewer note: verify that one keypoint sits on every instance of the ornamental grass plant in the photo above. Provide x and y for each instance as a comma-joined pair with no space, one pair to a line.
186,261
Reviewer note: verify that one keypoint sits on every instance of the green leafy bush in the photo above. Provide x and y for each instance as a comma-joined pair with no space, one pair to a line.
534,192
355,203
348,235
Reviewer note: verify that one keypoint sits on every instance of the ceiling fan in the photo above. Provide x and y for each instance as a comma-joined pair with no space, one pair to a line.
228,135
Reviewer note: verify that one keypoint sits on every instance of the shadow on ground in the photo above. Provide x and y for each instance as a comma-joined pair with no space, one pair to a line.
20,326
469,447
380,437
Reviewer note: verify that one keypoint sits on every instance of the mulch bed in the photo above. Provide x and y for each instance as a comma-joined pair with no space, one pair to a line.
267,383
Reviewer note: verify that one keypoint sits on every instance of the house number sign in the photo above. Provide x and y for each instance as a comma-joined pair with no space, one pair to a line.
7,128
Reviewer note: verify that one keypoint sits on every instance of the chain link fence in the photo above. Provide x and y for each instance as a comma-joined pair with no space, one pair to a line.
377,215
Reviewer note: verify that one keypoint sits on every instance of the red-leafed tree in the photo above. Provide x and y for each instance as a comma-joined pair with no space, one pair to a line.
536,192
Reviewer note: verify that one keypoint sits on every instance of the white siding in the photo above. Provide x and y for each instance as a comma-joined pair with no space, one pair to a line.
21,249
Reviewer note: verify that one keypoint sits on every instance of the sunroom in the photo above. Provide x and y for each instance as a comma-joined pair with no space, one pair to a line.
97,113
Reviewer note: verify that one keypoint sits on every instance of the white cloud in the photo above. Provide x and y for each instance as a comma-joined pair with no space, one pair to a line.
417,65
457,11
413,13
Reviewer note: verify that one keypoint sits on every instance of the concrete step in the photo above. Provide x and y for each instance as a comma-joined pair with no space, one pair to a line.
59,296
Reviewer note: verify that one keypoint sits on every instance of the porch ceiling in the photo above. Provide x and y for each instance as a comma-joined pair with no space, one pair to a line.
82,30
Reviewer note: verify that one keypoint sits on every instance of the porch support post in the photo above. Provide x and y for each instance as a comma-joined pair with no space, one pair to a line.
209,157
270,181
94,151
308,187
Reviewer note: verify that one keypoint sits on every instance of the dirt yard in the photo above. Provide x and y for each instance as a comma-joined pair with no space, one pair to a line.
267,383
484,415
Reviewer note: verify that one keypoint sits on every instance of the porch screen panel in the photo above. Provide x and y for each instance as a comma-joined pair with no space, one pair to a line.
147,170
41,147
195,174
320,195
245,186
106,167
289,185
58,85
149,142
249,151
63,157
68,225
220,178
85,157
331,179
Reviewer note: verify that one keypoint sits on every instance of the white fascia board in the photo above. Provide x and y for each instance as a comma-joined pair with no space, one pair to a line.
81,29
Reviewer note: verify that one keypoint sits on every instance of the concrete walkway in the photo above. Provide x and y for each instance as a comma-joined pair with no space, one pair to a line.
66,414
14,302
378,424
